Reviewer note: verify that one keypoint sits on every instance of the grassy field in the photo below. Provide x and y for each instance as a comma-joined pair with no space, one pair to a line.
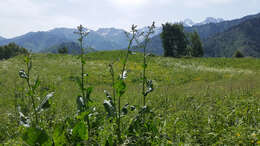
198,100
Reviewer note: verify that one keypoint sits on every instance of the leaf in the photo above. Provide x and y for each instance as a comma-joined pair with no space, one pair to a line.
149,85
108,95
120,87
80,131
83,61
35,136
27,58
36,84
110,108
24,121
132,108
124,109
45,102
59,136
80,104
23,74
29,65
124,75
88,92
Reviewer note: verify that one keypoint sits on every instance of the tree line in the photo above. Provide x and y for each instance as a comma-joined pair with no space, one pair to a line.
11,50
177,43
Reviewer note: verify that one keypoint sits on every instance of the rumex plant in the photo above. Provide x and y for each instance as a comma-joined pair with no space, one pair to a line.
147,84
143,128
112,106
31,121
137,130
83,100
77,130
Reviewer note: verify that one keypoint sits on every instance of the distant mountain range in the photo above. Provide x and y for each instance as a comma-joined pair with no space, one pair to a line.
208,20
102,39
211,31
73,48
2,38
244,37
207,33
38,41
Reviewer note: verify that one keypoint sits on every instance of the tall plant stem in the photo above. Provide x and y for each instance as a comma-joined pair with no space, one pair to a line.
82,34
144,71
122,77
28,64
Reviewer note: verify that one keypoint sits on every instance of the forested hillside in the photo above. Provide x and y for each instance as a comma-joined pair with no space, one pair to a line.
244,37
207,32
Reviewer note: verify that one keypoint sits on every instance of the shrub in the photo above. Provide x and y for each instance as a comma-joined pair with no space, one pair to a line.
63,50
238,54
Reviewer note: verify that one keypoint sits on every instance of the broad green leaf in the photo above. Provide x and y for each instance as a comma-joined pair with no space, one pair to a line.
80,131
45,102
120,87
83,61
35,136
36,84
88,92
59,136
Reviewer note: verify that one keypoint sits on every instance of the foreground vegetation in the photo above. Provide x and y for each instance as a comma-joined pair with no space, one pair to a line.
195,100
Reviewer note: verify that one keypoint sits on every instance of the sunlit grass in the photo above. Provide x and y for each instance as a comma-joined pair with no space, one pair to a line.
189,93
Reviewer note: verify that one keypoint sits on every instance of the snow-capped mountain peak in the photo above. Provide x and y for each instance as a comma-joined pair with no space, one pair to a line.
188,22
209,20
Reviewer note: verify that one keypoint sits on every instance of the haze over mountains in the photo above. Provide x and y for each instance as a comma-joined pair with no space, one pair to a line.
211,31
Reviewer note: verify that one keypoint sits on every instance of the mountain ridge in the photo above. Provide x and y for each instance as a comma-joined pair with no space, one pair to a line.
244,37
2,38
205,31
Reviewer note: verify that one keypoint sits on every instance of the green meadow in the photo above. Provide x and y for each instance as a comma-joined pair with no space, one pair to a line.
206,101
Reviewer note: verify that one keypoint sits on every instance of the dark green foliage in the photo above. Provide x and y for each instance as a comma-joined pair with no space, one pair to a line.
143,130
196,49
238,54
174,40
63,50
11,50
35,136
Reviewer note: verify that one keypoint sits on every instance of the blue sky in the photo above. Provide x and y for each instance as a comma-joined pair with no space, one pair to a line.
18,17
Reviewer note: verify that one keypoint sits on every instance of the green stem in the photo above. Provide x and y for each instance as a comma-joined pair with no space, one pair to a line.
33,92
144,78
119,120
